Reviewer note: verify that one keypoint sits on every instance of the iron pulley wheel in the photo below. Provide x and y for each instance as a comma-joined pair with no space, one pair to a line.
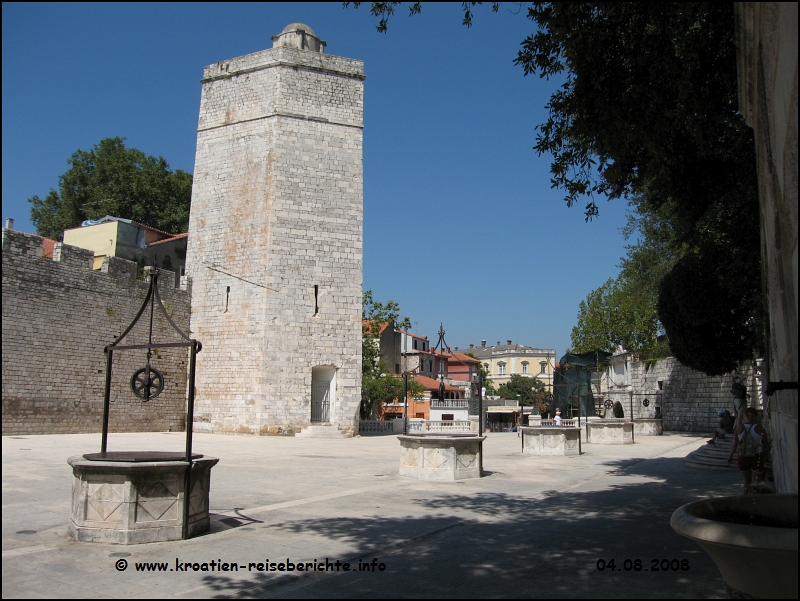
608,404
646,402
147,383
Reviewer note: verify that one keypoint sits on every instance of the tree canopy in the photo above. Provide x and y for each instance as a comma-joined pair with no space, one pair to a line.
523,388
111,179
649,110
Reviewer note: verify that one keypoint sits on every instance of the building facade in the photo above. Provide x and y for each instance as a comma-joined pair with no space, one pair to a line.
275,239
504,360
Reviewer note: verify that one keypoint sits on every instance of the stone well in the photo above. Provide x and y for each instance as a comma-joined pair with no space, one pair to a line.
441,457
550,440
647,427
609,432
137,501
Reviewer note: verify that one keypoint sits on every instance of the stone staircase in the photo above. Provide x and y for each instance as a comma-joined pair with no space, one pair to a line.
323,431
713,456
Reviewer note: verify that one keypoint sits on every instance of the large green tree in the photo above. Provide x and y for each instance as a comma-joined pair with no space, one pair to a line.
111,179
649,107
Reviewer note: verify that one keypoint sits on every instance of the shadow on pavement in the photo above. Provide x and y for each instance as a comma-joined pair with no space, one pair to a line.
500,545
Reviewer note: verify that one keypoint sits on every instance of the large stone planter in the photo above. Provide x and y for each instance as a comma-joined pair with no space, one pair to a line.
752,539
609,432
643,426
441,457
131,502
550,440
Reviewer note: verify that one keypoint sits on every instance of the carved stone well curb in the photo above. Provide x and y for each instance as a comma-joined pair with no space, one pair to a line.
132,502
646,426
752,539
550,440
609,432
441,457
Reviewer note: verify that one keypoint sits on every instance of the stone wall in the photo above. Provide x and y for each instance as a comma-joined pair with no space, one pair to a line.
766,56
275,240
58,315
689,399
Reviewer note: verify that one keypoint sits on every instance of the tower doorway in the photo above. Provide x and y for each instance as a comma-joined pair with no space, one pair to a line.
323,393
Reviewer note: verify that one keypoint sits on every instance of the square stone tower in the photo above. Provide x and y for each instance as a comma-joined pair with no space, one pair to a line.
275,239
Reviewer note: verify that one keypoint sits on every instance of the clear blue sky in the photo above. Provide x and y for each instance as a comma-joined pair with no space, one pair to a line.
461,225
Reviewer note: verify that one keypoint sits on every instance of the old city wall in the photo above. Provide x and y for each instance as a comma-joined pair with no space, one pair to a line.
689,399
58,315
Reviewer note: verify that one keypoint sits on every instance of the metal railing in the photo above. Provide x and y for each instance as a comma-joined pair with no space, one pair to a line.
320,402
389,426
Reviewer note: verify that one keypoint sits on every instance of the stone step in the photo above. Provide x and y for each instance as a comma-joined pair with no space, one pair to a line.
714,450
697,459
326,431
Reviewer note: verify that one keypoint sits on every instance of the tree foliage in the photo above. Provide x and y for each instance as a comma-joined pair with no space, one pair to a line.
111,179
649,109
523,388
378,384
623,311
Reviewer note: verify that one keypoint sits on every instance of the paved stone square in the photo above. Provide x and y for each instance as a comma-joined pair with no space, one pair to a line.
533,527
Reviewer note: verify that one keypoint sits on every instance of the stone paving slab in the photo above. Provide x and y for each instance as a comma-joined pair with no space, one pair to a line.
533,527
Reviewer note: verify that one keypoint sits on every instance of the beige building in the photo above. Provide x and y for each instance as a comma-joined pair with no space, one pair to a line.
114,237
504,360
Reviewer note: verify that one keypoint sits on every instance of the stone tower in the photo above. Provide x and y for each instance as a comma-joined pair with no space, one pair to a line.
275,239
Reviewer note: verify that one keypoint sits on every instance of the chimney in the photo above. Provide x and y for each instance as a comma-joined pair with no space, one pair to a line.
483,343
509,343
9,223
498,343
471,346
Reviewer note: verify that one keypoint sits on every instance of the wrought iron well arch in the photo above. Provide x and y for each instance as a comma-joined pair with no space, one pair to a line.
153,299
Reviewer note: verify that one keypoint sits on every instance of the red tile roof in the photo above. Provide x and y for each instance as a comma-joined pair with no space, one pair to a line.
432,384
48,246
167,239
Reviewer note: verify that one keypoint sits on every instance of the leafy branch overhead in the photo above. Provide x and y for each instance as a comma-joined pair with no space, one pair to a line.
648,111
384,10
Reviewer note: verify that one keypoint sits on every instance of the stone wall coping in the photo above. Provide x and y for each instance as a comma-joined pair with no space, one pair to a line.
285,57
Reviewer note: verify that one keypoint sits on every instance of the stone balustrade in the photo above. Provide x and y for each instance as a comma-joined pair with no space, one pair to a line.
423,426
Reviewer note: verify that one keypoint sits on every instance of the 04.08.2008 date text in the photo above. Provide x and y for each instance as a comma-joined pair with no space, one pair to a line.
639,565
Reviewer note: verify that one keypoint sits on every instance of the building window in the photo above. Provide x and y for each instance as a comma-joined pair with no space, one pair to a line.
501,369
415,345
542,367
524,367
